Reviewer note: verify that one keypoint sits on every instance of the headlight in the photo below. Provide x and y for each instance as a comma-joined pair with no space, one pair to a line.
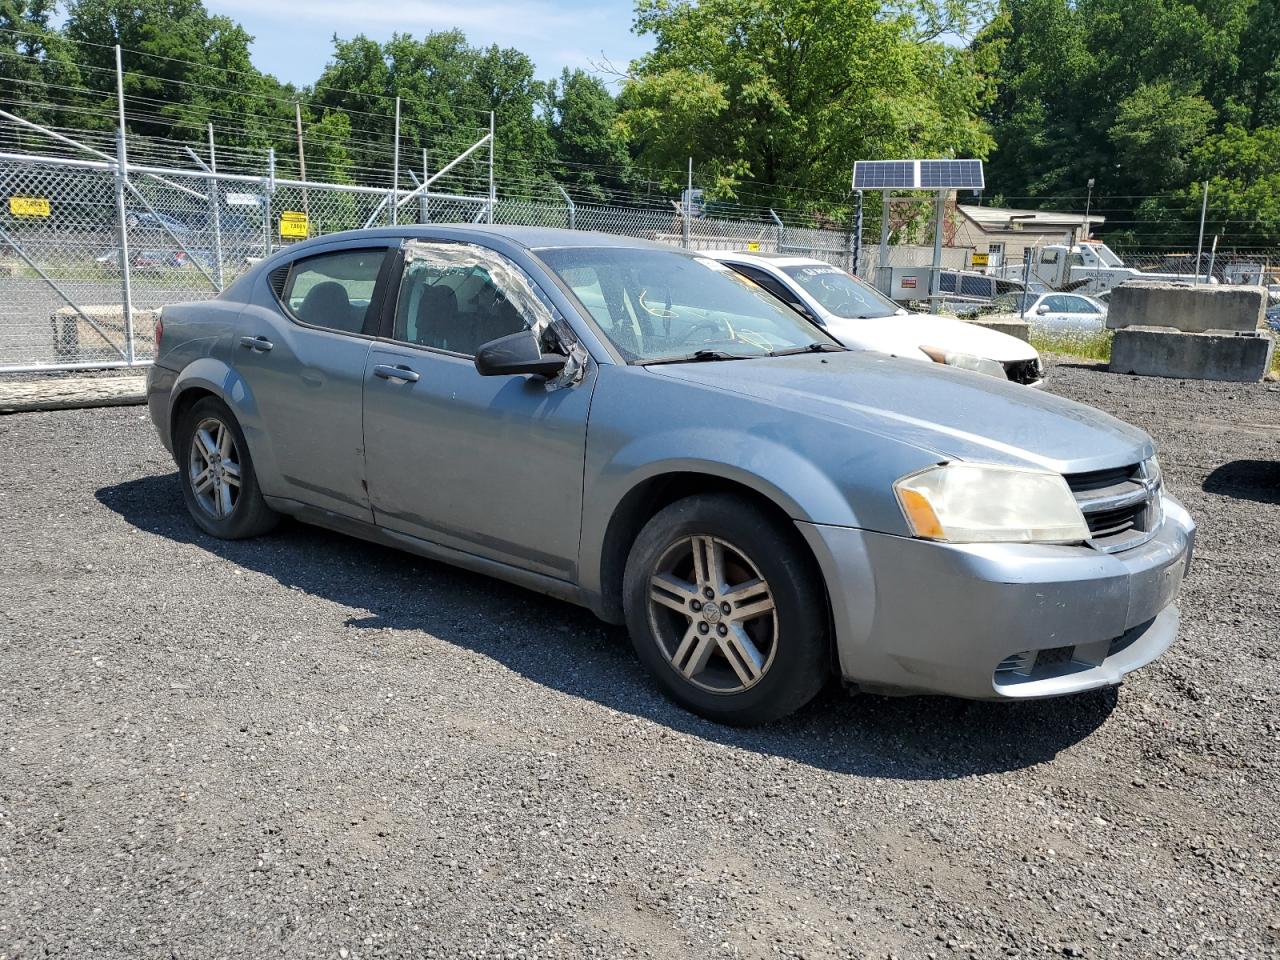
965,361
985,503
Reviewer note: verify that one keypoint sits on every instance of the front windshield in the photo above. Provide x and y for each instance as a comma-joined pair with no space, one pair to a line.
841,294
657,305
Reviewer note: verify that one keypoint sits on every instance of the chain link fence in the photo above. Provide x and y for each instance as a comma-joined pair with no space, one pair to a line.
87,257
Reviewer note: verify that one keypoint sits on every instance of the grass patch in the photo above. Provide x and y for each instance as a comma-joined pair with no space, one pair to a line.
1086,346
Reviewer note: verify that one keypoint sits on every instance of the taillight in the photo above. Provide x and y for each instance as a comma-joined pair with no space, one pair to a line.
159,328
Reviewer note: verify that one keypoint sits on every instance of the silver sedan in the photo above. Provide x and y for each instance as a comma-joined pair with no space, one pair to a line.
640,430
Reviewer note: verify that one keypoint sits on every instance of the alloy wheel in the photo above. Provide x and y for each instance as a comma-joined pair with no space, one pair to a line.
713,615
213,468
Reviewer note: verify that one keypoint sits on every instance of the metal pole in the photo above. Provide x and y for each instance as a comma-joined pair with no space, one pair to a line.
1027,254
777,222
687,207
271,192
857,235
1204,206
1088,202
883,269
395,170
302,159
424,201
493,193
935,274
213,209
1213,255
572,209
122,172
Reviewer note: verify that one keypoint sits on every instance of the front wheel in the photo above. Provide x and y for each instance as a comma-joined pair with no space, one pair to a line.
726,609
218,482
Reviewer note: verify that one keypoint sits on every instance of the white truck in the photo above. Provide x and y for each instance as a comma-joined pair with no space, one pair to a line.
1090,267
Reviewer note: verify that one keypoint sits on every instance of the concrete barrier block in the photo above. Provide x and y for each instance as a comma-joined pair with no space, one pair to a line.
1191,309
1011,325
1191,356
71,330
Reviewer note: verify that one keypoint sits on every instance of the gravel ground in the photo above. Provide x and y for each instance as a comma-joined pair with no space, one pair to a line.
309,746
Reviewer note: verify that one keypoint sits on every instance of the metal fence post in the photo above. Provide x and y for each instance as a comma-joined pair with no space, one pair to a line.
271,192
573,211
780,227
424,199
216,214
122,172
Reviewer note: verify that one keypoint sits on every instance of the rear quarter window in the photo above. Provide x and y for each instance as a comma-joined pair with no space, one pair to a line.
333,290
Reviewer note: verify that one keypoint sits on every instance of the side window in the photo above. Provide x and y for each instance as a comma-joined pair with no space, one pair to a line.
333,290
975,287
770,283
947,282
1059,303
454,304
1081,305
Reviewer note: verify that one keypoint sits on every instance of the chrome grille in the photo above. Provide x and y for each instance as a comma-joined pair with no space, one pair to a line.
1121,505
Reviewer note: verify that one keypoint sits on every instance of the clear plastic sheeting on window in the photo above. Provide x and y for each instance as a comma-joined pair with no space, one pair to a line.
519,290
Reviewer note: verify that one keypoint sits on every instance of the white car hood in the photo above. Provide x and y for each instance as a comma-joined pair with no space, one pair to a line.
903,336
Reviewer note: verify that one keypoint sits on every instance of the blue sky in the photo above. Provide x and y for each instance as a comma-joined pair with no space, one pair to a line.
292,38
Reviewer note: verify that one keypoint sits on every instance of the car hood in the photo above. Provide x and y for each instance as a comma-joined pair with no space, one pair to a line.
952,413
903,336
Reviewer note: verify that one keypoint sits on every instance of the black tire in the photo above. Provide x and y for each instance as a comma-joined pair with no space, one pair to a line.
249,515
798,661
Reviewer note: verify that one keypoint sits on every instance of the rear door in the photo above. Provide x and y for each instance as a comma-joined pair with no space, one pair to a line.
303,359
489,465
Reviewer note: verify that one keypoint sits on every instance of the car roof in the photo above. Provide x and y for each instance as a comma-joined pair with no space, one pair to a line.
765,258
531,238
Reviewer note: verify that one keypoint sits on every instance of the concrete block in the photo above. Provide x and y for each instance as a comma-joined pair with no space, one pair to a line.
1191,356
71,331
1191,309
1011,325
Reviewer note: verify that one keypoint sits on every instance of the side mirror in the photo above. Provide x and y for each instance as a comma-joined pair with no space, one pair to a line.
517,353
1042,309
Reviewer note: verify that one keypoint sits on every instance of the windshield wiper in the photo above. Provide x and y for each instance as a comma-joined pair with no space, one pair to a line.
811,348
697,357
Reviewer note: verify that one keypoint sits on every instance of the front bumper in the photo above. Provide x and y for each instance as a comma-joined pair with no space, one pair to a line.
996,621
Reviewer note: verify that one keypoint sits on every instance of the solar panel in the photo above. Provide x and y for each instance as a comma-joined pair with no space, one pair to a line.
884,175
951,175
918,175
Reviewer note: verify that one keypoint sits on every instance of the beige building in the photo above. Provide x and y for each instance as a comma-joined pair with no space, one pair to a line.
1004,234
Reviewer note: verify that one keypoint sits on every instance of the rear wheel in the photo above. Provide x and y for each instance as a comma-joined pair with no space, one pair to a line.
726,609
218,482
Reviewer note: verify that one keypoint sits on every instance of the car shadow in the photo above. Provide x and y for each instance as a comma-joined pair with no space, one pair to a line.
909,738
1257,480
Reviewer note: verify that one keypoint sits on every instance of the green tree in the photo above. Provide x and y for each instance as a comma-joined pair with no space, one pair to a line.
446,88
788,93
1127,92
183,69
38,66
590,155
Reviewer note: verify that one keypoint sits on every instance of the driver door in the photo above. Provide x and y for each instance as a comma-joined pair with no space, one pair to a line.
489,465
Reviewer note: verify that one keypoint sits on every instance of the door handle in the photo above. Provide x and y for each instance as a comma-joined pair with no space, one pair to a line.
261,344
388,372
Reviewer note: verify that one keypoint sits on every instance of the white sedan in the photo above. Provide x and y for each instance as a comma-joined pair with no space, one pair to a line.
862,318
1061,312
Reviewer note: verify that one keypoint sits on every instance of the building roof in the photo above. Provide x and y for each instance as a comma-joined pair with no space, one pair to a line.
1005,218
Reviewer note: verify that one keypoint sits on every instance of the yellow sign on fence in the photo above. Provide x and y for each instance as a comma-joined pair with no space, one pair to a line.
29,206
980,260
752,246
293,225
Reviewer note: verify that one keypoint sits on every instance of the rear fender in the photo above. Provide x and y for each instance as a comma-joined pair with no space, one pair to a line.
215,376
